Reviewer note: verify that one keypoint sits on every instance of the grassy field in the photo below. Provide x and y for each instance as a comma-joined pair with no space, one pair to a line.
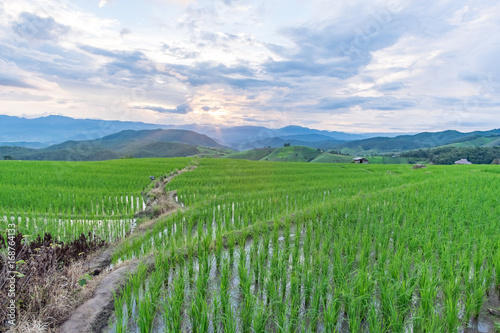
252,154
68,198
301,247
272,247
293,154
332,158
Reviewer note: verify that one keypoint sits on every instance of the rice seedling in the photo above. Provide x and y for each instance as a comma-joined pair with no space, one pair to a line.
332,248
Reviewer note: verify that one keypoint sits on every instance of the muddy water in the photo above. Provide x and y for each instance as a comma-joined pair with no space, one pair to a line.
484,324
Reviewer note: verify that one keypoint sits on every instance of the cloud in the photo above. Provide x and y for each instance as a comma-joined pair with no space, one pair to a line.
103,3
342,104
124,32
31,26
179,109
15,82
242,61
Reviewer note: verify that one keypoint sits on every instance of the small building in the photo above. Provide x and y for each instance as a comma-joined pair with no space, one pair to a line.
462,161
419,166
360,160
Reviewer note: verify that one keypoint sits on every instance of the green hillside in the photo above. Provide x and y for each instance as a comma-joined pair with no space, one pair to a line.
293,154
385,145
144,143
252,154
332,158
476,141
450,154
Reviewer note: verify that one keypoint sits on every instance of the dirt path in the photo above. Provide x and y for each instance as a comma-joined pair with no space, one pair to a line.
93,315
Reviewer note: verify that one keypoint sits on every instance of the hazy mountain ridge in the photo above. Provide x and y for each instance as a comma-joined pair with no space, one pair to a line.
144,143
183,142
57,129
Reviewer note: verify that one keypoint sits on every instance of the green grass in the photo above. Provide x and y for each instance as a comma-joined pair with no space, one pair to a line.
382,243
491,141
68,198
274,247
332,158
292,154
253,154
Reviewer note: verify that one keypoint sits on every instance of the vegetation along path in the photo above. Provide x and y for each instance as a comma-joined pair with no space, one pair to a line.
93,315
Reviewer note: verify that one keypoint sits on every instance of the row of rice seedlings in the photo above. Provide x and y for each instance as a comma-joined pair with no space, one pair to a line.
67,199
236,209
39,185
396,296
109,229
382,267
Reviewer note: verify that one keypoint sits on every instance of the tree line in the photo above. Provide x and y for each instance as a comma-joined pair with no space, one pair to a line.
448,155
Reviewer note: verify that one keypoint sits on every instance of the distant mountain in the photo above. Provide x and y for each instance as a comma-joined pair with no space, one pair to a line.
308,137
56,129
247,137
144,143
32,133
278,142
25,144
401,143
284,154
477,141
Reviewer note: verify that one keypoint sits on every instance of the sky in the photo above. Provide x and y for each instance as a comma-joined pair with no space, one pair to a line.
354,66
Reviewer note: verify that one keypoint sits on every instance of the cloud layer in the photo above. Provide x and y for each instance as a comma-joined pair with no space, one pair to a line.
358,66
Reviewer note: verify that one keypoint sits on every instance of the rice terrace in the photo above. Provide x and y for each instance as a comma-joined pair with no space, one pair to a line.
249,166
251,246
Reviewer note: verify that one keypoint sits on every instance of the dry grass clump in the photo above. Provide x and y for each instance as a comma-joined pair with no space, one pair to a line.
52,282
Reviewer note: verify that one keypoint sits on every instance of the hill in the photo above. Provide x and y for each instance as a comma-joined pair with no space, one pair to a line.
332,158
56,129
293,154
476,141
252,154
450,154
128,143
401,143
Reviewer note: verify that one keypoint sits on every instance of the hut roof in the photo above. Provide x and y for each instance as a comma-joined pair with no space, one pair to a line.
462,161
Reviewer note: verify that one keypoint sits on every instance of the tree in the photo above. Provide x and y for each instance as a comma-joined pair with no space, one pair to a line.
7,158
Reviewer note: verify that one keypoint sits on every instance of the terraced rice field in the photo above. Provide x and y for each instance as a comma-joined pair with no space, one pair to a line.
285,247
274,247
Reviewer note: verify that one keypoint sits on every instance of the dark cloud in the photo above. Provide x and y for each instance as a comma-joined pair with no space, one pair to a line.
119,55
391,86
342,104
179,109
136,63
179,52
52,60
337,49
297,68
125,31
206,108
32,26
14,82
205,73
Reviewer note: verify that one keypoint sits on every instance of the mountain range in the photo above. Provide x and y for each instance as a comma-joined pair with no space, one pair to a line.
47,139
46,131
127,143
